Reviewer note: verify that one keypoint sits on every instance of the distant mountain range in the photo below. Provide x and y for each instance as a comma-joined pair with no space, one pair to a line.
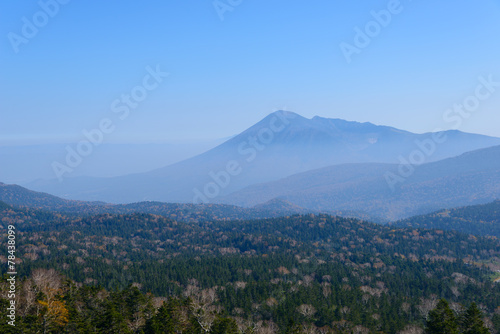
279,146
483,219
17,196
471,178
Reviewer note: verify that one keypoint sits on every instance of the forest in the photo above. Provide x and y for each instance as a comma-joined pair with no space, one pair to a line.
310,273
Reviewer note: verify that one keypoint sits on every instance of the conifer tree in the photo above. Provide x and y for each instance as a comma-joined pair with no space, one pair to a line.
471,321
441,320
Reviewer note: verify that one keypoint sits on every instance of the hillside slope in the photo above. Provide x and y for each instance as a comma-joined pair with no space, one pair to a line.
21,197
471,178
483,219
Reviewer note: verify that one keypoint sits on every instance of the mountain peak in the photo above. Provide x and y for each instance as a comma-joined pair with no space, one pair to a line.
284,113
319,120
281,144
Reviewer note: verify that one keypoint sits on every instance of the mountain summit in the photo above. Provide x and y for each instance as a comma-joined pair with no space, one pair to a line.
281,144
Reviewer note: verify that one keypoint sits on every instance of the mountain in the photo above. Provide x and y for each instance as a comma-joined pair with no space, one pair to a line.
471,178
483,219
280,145
17,196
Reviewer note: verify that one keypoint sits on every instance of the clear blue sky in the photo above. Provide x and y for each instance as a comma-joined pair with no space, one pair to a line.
227,74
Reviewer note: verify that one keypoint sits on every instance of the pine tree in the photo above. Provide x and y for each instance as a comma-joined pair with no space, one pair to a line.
224,326
441,320
471,321
112,321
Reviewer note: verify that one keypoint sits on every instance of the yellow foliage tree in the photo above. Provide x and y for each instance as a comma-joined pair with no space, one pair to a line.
56,313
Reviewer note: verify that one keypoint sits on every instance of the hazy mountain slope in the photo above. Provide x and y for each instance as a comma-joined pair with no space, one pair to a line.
481,219
16,195
471,178
280,145
21,197
25,163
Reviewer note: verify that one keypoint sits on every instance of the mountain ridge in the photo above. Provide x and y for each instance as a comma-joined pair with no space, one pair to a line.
471,178
281,144
20,197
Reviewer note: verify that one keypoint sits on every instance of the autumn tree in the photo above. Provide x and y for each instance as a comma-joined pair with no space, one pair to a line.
47,285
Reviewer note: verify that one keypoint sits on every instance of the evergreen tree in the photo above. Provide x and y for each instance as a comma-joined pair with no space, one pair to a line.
496,321
163,321
471,321
441,320
224,326
113,321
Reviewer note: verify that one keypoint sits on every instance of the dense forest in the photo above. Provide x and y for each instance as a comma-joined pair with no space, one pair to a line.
49,303
314,273
483,219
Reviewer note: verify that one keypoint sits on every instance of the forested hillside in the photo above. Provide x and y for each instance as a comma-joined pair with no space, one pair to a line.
18,196
313,273
476,219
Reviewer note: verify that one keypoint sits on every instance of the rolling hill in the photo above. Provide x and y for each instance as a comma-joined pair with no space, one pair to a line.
17,196
483,219
471,178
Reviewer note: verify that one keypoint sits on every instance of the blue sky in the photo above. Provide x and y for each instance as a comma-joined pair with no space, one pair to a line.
225,75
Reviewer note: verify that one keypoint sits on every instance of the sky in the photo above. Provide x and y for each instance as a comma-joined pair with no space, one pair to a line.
204,69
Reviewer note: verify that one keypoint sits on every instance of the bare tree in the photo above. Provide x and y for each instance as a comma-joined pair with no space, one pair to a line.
27,297
201,305
426,305
326,289
405,307
268,327
309,329
308,280
306,310
324,330
360,330
411,329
